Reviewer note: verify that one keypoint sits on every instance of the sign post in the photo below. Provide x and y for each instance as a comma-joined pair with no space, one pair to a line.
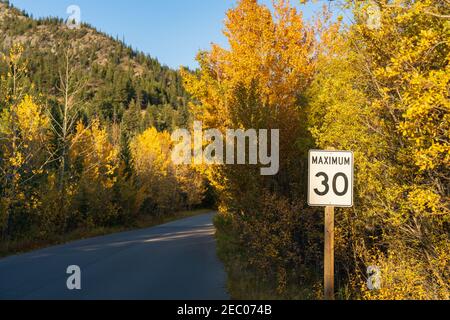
328,264
330,185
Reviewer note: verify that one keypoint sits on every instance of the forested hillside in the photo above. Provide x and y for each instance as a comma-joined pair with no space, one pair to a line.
84,122
116,78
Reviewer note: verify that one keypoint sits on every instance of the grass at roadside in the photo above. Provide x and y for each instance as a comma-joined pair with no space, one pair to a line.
244,282
23,246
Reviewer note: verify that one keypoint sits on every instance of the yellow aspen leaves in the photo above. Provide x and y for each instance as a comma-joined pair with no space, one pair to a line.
163,185
99,158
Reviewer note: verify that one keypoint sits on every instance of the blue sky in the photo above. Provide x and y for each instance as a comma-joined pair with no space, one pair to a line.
173,31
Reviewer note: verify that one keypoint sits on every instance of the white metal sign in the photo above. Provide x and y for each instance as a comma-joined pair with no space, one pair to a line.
330,178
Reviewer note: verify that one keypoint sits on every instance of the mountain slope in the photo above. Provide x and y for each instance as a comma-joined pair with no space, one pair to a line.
118,78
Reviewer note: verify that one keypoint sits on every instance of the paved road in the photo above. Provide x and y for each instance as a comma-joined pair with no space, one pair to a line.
172,261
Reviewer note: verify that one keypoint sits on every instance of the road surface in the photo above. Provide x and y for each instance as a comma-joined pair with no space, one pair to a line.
172,261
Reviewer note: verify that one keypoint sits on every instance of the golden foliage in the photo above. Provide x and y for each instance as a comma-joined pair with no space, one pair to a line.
258,83
384,95
162,185
98,157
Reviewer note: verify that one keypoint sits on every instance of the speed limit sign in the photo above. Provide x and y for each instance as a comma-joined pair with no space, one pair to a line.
330,178
330,185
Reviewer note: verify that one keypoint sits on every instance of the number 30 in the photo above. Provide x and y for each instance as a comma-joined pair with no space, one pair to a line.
326,181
